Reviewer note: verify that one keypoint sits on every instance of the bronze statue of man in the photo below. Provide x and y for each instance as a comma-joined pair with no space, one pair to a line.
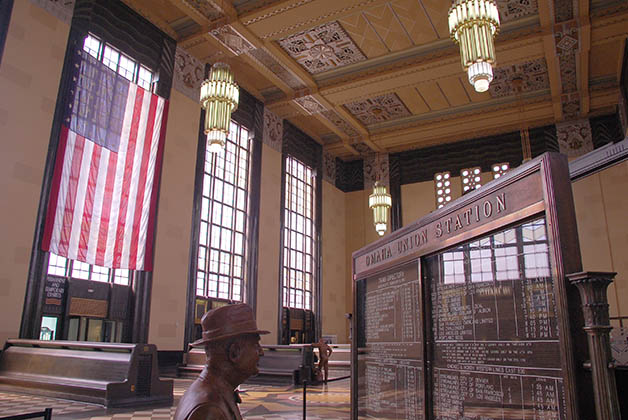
324,351
231,341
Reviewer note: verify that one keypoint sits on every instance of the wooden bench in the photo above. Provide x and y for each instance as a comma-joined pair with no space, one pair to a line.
111,374
279,365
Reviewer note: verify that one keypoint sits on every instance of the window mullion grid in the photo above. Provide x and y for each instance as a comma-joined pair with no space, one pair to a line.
210,224
305,215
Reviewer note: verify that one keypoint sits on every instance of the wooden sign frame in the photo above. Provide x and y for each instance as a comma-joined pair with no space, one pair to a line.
541,187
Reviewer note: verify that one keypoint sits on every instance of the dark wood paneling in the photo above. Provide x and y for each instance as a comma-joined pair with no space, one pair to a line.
6,7
420,165
542,139
606,129
394,178
624,78
299,145
350,175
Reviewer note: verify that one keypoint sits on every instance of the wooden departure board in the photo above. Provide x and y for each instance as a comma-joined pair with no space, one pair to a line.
390,359
465,313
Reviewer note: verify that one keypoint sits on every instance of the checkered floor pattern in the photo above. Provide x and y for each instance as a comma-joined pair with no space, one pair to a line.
329,402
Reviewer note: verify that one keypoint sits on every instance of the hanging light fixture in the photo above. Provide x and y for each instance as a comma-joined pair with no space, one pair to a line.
473,25
219,98
380,201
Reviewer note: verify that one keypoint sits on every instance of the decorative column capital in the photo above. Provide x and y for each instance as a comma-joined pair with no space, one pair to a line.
592,286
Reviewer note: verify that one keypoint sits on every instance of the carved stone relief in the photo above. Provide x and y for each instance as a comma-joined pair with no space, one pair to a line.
329,168
322,48
310,104
379,109
574,137
340,123
376,168
362,148
534,76
62,9
232,39
563,10
515,9
188,74
273,130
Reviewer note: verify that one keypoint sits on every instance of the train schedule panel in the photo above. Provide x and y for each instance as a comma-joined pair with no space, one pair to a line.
467,314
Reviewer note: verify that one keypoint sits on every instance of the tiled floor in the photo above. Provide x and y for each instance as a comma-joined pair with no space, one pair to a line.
324,402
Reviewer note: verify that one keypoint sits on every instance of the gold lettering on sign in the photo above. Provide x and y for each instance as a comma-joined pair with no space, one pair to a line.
487,208
378,256
473,214
415,241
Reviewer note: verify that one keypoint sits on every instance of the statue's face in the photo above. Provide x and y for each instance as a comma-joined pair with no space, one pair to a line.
249,355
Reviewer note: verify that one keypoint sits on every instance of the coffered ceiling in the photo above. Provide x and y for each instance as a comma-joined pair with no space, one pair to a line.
363,76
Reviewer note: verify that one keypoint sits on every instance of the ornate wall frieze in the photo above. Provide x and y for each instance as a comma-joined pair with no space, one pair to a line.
62,9
379,109
563,10
323,48
273,130
232,40
575,137
339,122
534,77
514,9
310,105
188,74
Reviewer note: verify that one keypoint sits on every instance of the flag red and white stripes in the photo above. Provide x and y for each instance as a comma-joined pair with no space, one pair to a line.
102,202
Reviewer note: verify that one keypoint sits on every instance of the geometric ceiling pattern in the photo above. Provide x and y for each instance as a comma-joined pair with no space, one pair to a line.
322,48
378,109
531,75
382,76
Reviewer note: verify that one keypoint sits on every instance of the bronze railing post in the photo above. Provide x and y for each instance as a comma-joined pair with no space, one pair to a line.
592,287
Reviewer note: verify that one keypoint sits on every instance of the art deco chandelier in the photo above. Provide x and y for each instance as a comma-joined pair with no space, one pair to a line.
219,98
473,25
380,201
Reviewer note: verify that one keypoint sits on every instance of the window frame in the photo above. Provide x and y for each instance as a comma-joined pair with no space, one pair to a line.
208,204
287,230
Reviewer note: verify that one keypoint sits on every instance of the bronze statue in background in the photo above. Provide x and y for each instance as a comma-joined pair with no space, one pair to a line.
324,351
231,341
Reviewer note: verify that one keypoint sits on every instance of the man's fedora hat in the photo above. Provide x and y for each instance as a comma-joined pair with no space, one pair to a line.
228,321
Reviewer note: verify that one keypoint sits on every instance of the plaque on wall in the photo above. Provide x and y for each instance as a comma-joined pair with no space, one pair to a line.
54,300
464,314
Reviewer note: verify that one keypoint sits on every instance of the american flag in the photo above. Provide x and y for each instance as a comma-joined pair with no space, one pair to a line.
104,188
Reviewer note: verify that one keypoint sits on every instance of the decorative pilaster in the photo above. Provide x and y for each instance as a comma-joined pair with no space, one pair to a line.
273,130
62,10
329,168
592,287
376,169
189,73
575,137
